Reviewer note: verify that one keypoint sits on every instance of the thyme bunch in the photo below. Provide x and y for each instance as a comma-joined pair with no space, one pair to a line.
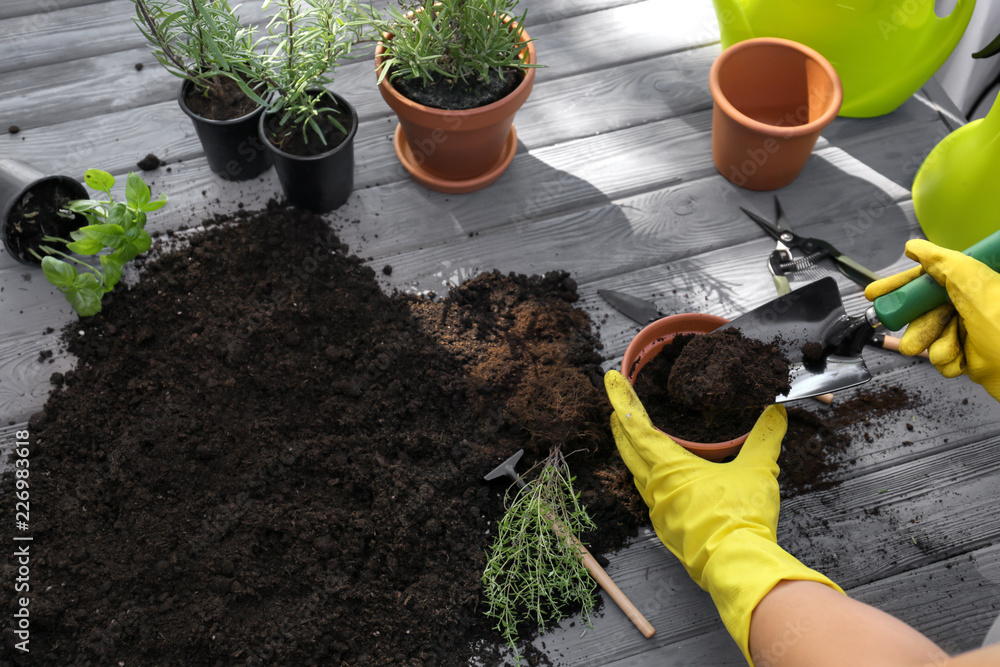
534,569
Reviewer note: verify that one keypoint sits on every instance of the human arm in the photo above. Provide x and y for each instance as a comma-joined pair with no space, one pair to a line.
960,337
805,624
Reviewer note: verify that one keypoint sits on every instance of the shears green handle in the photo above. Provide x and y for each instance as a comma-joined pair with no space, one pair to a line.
900,307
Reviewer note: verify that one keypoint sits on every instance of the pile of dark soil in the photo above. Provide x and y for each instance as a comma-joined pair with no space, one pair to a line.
262,459
711,387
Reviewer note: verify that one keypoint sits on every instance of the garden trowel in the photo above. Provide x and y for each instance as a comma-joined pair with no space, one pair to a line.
815,314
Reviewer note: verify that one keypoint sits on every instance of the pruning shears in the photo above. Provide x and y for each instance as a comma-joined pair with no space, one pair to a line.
794,253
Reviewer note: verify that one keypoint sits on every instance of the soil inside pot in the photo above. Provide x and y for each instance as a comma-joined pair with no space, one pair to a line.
725,370
442,93
718,393
263,459
292,140
225,101
40,213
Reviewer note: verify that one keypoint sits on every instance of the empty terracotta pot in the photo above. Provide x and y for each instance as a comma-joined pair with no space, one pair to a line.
457,151
772,98
648,343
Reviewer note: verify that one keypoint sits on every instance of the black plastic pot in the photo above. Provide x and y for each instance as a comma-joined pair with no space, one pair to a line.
23,186
233,147
321,182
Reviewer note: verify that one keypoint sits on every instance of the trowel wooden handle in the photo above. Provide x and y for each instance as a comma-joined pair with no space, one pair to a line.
605,582
892,343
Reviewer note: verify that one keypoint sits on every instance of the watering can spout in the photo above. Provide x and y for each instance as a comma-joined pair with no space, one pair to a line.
733,24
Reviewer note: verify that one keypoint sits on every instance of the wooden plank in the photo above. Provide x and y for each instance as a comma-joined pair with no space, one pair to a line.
12,8
663,87
953,602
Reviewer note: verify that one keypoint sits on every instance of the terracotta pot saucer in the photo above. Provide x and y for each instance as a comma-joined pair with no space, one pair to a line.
433,182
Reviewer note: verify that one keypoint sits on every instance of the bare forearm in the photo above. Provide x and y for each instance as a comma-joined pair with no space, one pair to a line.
806,624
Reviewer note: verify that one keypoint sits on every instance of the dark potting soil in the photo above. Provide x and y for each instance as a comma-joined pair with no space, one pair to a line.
813,450
706,409
291,139
443,93
40,213
224,101
724,370
812,354
263,459
149,163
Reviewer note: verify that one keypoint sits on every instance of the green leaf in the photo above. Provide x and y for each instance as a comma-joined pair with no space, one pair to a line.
136,191
86,246
112,271
59,273
155,205
99,180
113,236
118,214
84,205
85,296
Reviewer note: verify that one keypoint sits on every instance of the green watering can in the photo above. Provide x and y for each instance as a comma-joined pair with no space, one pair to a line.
955,192
883,50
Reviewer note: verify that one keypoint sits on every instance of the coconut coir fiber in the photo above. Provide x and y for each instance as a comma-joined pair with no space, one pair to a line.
263,459
711,387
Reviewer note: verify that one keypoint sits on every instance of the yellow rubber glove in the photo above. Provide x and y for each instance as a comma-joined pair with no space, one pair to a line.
719,519
968,343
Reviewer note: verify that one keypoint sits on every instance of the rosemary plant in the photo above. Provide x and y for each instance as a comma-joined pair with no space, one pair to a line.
307,39
533,571
201,41
450,39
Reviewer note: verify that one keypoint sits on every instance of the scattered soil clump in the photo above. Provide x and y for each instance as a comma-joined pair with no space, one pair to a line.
812,354
263,459
711,387
149,163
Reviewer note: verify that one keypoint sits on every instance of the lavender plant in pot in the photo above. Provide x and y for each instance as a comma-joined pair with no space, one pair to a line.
204,44
455,72
308,129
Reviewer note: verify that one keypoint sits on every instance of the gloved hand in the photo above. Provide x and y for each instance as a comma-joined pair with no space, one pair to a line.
719,519
966,343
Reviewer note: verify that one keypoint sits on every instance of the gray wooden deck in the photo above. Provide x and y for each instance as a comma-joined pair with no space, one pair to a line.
612,181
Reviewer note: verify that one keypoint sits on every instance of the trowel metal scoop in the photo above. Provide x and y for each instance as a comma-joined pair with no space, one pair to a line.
815,314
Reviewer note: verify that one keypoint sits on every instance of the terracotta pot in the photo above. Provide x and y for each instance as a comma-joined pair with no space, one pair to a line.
648,343
457,151
772,98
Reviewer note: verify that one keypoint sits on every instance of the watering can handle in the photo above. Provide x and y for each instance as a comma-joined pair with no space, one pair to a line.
900,307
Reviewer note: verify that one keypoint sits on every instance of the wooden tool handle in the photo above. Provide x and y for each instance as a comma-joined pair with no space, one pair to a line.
892,343
824,398
605,582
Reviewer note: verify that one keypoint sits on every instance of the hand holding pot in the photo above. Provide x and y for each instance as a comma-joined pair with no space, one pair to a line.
719,519
965,342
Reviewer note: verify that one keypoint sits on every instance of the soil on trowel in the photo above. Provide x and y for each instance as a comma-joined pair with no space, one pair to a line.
711,387
263,459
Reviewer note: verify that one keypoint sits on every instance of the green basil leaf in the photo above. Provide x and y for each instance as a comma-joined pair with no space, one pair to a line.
112,236
112,271
86,300
136,190
154,205
84,205
59,273
118,214
99,180
86,246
